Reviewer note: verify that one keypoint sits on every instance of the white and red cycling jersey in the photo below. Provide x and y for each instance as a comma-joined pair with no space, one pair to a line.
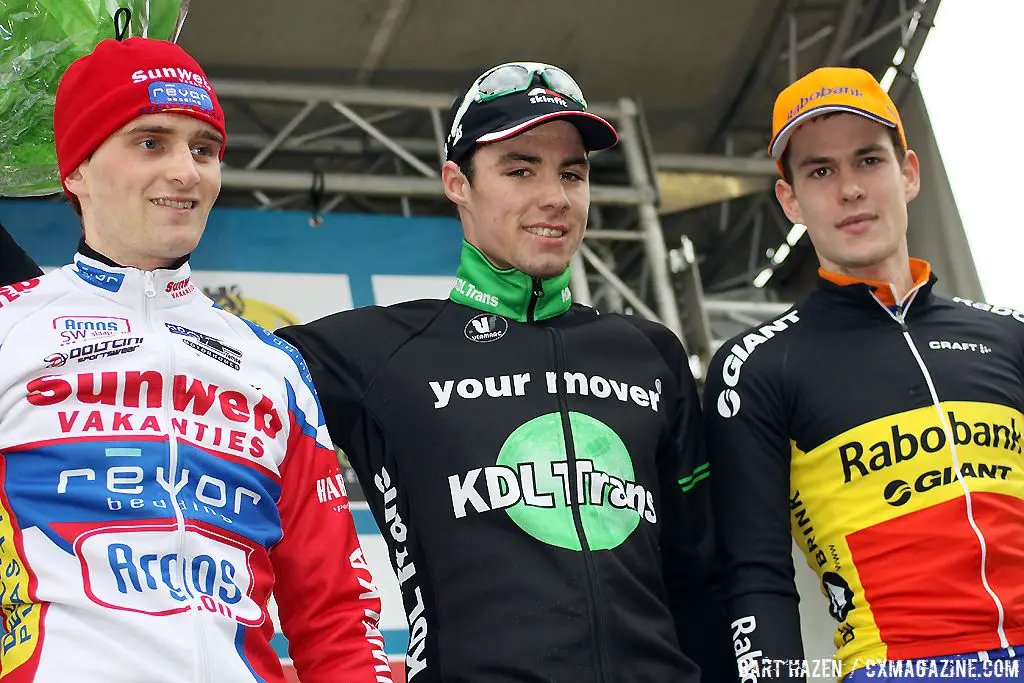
164,466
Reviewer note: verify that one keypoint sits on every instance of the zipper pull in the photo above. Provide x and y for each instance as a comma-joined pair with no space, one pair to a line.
150,287
538,287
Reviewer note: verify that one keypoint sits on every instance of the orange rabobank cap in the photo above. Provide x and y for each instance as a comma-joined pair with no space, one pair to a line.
830,89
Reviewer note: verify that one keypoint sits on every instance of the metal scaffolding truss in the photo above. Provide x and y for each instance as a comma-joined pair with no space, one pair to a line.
327,148
403,171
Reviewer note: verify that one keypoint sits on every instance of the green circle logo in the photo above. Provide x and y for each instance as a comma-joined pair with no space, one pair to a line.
611,504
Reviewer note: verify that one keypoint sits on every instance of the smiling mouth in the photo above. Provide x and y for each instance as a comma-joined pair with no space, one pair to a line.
856,220
545,232
174,204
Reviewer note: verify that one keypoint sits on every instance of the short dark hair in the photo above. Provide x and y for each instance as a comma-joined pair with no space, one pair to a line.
466,163
894,135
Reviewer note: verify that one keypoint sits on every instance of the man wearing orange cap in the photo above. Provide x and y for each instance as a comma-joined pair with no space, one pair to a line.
164,466
876,422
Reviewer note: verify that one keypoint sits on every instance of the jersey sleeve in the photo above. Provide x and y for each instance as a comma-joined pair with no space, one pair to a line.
687,538
15,264
327,601
749,450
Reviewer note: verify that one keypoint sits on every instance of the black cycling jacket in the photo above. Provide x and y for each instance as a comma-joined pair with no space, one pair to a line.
886,441
15,264
538,473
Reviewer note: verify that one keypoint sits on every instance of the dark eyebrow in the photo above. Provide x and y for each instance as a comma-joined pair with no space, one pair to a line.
815,161
203,134
516,156
873,148
152,130
210,136
531,159
870,149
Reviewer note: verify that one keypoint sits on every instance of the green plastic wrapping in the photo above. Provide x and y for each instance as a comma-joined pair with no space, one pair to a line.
38,40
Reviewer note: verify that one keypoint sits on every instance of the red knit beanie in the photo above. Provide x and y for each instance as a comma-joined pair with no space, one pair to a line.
120,81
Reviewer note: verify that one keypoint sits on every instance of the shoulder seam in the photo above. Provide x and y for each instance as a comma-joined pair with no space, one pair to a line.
370,384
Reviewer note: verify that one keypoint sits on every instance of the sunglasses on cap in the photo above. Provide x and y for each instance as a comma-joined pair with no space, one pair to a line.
516,77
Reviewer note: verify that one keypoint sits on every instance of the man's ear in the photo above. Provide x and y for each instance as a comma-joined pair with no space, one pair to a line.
455,183
75,182
911,171
787,200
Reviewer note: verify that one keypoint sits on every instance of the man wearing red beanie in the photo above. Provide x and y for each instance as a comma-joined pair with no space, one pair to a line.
164,465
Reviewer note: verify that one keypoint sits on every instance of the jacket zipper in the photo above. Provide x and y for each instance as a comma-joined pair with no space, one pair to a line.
597,630
901,318
173,474
535,295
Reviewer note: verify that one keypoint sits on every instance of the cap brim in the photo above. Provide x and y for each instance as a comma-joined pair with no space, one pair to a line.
597,133
778,145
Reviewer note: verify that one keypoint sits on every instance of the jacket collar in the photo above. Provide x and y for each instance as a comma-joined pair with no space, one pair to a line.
508,292
131,287
873,293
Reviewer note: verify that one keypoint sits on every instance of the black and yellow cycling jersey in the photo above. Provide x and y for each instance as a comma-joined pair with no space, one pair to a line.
885,439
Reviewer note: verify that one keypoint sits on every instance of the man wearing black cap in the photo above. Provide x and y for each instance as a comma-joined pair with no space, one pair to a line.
536,469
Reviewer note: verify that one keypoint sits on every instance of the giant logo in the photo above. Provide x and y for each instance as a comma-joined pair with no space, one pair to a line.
534,480
898,492
729,399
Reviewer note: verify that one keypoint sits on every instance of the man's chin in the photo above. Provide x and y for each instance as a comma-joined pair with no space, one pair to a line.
544,270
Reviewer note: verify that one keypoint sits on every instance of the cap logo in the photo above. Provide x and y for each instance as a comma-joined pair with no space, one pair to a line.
177,73
163,94
543,95
824,92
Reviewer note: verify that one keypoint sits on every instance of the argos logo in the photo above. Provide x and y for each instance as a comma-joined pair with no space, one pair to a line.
139,569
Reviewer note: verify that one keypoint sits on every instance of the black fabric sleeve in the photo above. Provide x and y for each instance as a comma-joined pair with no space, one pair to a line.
338,374
15,264
749,451
687,534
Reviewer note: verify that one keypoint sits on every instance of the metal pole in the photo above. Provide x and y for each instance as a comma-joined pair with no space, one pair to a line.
382,185
617,284
578,284
619,235
383,139
760,309
655,241
282,135
877,35
439,136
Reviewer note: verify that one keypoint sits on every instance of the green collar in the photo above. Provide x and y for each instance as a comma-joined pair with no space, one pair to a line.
510,293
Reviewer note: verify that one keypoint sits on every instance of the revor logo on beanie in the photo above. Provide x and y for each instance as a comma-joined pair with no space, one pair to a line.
165,94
